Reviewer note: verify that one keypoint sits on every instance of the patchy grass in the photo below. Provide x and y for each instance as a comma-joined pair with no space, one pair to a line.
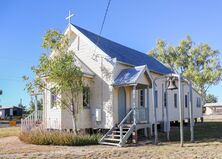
207,135
11,131
40,137
203,132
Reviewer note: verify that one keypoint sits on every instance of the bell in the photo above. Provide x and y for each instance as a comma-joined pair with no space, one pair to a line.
171,84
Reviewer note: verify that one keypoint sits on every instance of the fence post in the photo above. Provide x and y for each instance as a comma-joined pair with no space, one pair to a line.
154,112
121,134
134,105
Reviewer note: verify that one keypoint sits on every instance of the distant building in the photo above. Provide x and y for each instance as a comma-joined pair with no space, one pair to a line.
7,112
213,108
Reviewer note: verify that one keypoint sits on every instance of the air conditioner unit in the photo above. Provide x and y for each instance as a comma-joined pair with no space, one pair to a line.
98,115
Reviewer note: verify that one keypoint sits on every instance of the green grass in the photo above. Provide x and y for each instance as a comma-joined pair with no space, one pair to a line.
207,131
11,131
40,137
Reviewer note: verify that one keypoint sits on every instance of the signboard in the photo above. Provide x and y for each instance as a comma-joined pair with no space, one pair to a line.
12,123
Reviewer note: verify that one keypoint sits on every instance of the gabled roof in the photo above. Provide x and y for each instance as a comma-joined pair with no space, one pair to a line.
130,76
125,54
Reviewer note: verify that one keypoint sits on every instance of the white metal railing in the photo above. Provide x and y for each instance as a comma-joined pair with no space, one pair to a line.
53,123
125,118
108,133
138,114
121,125
141,115
34,119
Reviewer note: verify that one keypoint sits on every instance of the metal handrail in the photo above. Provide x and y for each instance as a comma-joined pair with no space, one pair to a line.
141,114
121,125
31,119
122,122
108,132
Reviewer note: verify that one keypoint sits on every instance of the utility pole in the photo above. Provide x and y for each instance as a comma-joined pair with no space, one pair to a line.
154,111
180,109
1,92
20,103
191,111
36,104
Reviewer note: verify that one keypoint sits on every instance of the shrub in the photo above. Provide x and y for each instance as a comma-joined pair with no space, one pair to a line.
40,137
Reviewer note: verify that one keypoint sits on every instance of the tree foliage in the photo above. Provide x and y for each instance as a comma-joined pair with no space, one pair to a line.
23,107
32,105
199,63
210,98
58,70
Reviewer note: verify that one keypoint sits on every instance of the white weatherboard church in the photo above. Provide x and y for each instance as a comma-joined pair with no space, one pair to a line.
118,94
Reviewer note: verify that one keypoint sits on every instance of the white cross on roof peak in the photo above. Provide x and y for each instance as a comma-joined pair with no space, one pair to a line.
69,17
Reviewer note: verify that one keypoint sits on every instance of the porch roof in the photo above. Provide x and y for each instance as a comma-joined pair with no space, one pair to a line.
130,76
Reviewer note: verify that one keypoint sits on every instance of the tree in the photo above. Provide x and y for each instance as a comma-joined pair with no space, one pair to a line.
59,70
32,105
20,105
199,63
210,98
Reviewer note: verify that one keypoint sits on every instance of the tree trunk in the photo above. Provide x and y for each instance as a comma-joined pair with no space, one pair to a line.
74,118
203,93
74,124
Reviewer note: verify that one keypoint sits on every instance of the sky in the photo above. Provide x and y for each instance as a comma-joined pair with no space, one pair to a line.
134,23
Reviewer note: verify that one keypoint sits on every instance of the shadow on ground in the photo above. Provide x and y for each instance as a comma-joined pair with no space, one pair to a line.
203,132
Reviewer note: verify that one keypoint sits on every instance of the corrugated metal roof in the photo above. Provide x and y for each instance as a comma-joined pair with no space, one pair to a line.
125,54
8,107
128,76
213,105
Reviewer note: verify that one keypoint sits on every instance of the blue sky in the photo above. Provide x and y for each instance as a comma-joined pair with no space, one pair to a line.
131,22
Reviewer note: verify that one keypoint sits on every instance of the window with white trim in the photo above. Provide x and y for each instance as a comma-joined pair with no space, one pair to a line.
186,101
86,97
175,100
156,99
198,102
141,98
53,100
165,99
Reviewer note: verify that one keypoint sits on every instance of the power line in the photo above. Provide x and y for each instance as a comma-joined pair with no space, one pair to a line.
104,19
100,32
103,22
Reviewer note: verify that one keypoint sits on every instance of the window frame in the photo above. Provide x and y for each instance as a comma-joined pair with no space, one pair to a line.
198,102
175,100
53,99
142,97
86,95
156,98
165,99
186,101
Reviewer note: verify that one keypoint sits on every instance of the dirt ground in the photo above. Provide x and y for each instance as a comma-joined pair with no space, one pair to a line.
12,147
208,145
